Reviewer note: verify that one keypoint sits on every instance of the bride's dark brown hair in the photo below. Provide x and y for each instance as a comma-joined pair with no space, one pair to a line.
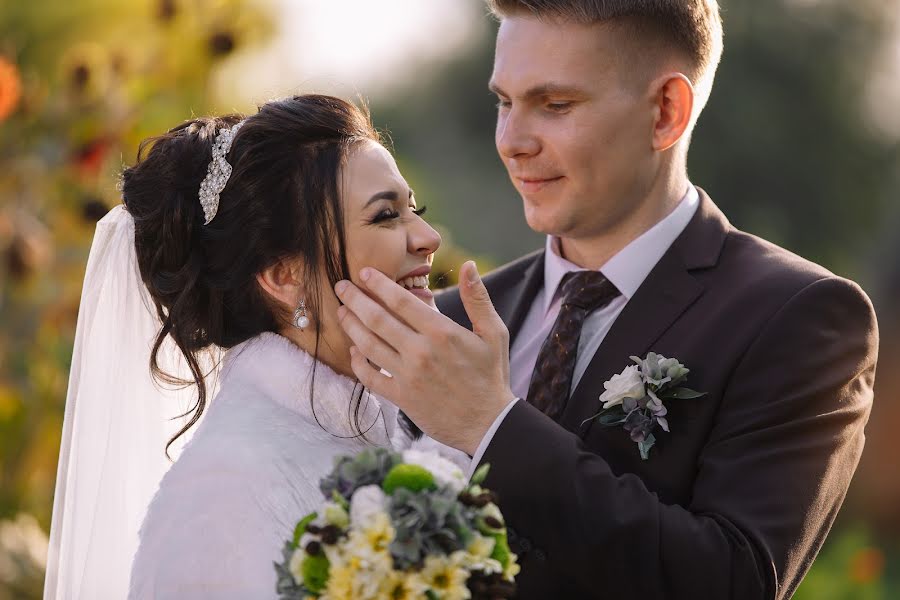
281,201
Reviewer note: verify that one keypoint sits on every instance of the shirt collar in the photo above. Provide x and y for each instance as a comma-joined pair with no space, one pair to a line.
628,269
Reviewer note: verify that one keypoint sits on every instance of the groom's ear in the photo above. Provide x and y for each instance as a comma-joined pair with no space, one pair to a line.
283,282
674,104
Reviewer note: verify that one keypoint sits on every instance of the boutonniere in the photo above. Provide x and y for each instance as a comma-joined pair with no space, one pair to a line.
634,398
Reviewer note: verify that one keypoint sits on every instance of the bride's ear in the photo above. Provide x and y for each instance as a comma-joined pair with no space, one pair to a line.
283,282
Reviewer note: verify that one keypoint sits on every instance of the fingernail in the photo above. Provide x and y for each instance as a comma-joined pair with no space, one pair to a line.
353,350
340,287
365,274
472,275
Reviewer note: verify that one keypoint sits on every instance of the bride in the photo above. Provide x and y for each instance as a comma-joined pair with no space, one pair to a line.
239,229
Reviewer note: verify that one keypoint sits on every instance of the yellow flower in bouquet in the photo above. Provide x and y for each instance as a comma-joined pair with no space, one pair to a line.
446,578
402,585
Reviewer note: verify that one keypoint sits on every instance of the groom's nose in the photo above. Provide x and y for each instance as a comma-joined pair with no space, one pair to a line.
514,137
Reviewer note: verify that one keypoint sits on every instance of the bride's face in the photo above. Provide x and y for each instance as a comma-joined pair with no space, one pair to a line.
383,226
383,230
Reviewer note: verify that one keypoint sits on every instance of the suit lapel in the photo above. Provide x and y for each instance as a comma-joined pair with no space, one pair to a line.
513,299
669,290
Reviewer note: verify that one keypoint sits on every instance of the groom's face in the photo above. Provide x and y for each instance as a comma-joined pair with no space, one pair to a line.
574,125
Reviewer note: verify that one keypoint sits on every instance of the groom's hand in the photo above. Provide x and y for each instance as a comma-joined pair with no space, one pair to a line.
452,382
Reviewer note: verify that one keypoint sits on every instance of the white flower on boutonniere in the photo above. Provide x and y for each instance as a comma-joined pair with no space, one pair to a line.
627,384
634,398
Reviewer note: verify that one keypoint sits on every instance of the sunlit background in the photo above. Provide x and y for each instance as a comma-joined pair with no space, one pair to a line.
799,144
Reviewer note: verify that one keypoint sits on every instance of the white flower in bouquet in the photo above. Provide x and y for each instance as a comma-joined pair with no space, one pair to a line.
371,537
627,384
296,564
445,472
356,573
446,578
367,502
400,585
477,556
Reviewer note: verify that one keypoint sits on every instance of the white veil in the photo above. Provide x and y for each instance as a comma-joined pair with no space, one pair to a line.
117,423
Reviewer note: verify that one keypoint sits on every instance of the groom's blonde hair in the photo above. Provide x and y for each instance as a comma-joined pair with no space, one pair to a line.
691,27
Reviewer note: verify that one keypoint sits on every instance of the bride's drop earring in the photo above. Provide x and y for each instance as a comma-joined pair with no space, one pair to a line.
301,321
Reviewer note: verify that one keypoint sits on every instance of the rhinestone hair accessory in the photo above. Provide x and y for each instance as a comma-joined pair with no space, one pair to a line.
217,173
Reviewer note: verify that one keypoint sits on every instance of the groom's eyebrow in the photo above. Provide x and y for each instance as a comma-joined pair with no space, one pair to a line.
390,195
542,90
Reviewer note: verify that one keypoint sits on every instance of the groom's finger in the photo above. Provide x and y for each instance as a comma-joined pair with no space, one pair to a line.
372,346
373,316
418,315
477,303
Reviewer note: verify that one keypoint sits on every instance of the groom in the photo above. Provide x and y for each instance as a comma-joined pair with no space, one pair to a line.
597,101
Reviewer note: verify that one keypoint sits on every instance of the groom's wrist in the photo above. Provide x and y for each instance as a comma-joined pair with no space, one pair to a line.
488,435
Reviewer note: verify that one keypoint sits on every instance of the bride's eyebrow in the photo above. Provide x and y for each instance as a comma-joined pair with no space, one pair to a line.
390,195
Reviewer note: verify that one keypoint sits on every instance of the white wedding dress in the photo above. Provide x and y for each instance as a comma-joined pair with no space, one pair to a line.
224,510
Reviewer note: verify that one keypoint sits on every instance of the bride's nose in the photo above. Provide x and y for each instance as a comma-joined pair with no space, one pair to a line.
422,238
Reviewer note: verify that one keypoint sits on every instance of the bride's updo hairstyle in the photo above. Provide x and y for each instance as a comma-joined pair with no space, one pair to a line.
281,201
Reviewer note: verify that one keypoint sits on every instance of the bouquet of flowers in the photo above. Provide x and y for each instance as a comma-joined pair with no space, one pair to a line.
399,525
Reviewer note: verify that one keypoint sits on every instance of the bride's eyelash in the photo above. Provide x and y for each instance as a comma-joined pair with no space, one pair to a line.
389,214
385,215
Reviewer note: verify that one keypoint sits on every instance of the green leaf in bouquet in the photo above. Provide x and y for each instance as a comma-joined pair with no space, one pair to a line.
339,499
315,572
350,473
300,529
480,474
501,551
683,393
431,522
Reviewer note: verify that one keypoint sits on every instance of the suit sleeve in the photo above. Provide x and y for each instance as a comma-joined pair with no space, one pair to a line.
770,480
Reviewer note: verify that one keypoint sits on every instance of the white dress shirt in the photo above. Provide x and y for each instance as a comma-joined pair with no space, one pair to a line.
627,270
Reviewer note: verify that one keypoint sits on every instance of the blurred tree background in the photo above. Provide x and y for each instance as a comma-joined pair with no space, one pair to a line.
799,144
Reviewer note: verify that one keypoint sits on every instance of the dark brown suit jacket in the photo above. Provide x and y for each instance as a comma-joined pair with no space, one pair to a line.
736,501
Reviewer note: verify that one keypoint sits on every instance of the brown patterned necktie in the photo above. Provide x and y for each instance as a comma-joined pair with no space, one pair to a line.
583,293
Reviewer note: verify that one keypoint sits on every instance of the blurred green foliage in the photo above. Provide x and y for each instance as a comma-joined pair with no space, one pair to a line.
785,147
854,566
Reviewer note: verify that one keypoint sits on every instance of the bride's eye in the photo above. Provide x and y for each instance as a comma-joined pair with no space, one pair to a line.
385,215
420,211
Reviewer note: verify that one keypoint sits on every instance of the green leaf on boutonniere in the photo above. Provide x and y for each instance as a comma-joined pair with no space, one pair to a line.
683,394
644,447
610,419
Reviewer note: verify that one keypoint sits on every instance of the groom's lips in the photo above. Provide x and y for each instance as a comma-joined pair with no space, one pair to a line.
535,184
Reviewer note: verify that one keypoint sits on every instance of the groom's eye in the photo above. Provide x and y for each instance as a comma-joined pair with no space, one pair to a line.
559,106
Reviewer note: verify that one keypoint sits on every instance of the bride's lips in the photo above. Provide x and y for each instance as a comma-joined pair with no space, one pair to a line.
535,184
423,294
